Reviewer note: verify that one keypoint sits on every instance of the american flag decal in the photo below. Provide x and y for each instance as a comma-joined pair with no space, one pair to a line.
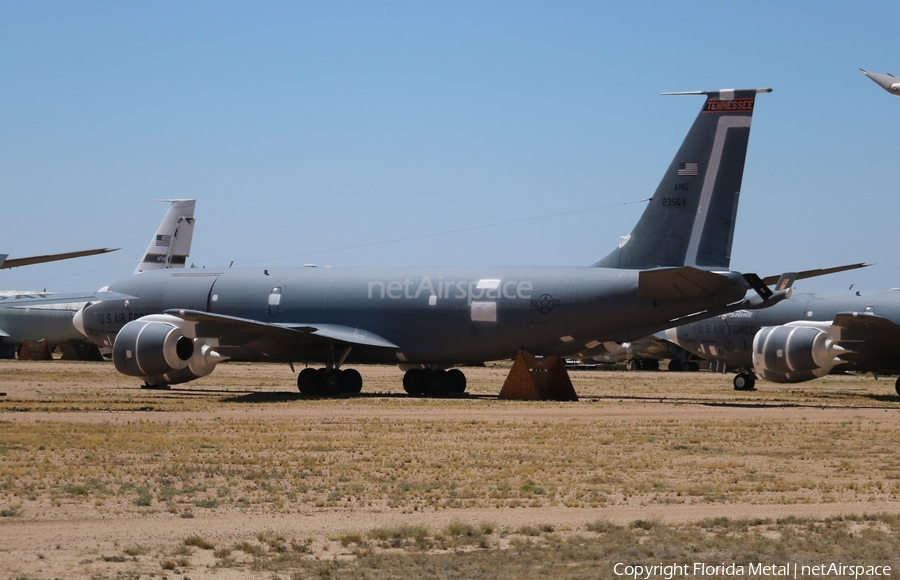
687,169
163,240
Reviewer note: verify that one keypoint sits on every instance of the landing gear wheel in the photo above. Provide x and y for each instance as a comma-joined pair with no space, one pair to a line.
332,384
414,382
162,387
897,386
674,365
695,366
308,381
744,382
352,382
437,384
651,365
456,382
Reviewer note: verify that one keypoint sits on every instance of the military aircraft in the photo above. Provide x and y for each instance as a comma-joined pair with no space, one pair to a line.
888,82
644,354
48,316
802,338
672,267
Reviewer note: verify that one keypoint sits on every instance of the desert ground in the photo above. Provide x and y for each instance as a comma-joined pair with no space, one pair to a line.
236,475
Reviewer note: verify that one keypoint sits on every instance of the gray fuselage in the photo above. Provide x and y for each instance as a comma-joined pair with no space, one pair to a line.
433,316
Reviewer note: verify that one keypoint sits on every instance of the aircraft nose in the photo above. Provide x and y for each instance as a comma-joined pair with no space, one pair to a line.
672,335
78,320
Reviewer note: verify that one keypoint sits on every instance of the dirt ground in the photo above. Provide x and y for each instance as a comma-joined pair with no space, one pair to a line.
97,475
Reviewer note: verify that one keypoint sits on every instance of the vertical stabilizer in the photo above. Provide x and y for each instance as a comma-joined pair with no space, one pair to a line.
171,245
690,219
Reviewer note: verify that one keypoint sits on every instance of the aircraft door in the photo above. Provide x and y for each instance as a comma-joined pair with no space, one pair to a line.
247,295
710,350
187,290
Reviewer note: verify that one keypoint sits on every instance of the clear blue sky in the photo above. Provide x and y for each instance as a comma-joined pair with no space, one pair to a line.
308,126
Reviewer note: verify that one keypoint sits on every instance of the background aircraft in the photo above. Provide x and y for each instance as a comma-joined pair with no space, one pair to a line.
802,338
888,82
644,354
48,316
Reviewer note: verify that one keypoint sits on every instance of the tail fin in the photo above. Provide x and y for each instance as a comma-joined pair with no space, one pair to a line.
171,245
690,219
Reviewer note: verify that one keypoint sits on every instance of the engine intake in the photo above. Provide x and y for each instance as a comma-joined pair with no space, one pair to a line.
159,351
792,354
145,348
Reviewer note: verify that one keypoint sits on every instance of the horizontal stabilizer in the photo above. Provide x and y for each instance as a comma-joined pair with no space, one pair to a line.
724,94
769,280
685,283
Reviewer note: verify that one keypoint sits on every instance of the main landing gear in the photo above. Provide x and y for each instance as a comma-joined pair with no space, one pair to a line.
644,364
676,365
329,382
744,382
434,382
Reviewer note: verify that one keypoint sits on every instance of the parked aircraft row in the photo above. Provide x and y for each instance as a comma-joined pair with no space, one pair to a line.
169,326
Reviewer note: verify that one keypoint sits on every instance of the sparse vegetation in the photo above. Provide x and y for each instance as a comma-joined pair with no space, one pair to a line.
199,542
169,454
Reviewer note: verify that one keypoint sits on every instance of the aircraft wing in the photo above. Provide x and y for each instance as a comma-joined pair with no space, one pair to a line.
859,323
21,299
887,81
16,262
870,339
270,338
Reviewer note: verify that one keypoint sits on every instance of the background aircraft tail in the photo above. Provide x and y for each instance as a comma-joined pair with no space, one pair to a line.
690,219
171,245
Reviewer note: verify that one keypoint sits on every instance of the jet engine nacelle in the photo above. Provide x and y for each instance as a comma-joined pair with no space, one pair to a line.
895,88
160,349
792,354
